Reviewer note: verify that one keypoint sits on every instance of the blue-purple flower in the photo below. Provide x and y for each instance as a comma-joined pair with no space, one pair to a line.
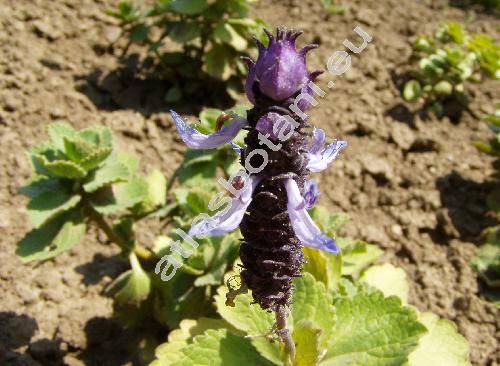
229,219
279,73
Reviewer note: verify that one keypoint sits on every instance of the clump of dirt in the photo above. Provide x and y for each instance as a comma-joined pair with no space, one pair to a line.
414,186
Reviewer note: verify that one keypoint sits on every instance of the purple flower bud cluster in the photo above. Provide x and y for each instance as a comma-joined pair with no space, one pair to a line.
271,207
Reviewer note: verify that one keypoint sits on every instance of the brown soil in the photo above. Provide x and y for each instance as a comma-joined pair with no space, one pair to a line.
414,186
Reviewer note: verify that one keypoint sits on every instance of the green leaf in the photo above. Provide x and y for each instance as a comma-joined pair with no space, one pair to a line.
131,287
372,330
53,238
168,352
189,7
388,279
140,33
225,33
357,255
312,302
157,189
412,91
219,348
487,260
328,222
61,168
215,257
111,172
48,205
443,88
57,132
251,319
306,339
183,32
77,148
325,267
39,184
98,135
217,62
97,157
124,195
442,345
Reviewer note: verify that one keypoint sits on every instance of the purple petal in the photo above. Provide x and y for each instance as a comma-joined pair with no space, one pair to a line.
311,193
228,219
319,161
303,226
197,140
318,140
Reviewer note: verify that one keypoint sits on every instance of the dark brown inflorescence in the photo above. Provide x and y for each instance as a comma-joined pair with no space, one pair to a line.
270,252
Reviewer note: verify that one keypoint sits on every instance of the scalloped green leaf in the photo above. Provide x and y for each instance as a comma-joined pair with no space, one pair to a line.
442,345
98,135
251,319
96,158
313,303
53,238
325,267
77,148
219,348
389,279
110,173
169,352
357,255
123,196
39,184
61,168
57,132
48,205
306,338
372,331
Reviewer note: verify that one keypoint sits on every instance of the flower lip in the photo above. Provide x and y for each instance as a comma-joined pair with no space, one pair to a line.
319,155
229,218
197,140
311,193
304,227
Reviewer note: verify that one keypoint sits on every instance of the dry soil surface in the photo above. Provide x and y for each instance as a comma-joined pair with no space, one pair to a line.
414,186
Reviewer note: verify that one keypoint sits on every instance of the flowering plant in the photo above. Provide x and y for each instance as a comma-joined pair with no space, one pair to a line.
323,321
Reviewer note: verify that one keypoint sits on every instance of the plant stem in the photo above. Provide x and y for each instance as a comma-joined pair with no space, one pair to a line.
140,251
284,333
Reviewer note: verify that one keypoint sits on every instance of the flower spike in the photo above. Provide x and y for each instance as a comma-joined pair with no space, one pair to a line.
197,140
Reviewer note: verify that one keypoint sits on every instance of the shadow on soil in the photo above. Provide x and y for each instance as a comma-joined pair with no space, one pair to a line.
16,332
109,344
465,215
101,266
138,85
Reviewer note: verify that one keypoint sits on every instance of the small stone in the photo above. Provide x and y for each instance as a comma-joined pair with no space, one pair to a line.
57,113
377,167
45,29
367,16
397,230
402,135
